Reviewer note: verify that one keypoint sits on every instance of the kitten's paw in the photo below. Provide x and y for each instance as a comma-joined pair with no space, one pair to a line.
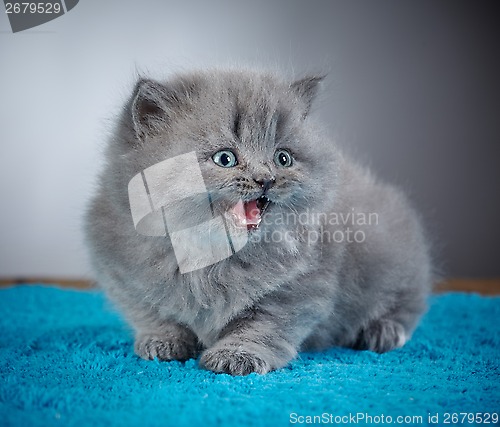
234,361
151,346
381,335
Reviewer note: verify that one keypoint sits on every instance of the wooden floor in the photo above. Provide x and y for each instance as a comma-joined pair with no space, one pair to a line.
481,286
61,282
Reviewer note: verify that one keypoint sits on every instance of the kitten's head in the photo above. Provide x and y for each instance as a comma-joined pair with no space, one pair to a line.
259,156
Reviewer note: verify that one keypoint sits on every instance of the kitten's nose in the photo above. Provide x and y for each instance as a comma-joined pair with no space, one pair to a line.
265,182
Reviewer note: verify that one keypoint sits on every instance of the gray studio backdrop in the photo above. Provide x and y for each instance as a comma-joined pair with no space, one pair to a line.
412,90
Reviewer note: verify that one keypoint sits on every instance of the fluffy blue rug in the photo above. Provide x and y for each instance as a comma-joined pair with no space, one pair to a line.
66,359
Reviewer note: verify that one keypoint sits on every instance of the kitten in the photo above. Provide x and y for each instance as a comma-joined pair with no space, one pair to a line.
329,257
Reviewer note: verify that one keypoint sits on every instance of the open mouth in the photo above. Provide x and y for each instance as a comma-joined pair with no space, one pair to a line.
249,214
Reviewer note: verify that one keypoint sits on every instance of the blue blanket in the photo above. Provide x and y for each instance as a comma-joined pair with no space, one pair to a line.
66,359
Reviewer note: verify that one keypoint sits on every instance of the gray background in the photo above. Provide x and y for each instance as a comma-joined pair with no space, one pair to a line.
413,90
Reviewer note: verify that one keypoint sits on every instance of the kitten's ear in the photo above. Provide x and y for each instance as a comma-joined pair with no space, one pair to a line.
149,107
306,89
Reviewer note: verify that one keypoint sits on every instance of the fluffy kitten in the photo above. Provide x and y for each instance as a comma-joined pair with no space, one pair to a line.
333,258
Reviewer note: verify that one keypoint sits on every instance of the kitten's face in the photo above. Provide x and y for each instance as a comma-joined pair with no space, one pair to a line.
250,136
260,161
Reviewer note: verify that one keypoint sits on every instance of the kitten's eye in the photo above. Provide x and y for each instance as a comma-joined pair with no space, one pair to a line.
283,158
225,159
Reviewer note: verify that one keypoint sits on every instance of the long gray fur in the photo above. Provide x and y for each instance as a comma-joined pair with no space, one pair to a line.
254,311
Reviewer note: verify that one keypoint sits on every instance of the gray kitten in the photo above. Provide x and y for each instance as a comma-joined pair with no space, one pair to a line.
332,257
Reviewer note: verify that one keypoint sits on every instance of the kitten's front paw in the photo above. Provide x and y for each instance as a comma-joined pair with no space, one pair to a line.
150,346
234,361
381,336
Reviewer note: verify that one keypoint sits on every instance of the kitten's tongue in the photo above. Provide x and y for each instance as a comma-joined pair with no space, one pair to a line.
246,214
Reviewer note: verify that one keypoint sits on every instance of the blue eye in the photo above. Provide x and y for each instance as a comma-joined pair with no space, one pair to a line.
225,159
283,158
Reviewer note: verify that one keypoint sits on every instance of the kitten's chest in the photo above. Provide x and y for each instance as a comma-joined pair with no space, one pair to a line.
208,300
208,314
